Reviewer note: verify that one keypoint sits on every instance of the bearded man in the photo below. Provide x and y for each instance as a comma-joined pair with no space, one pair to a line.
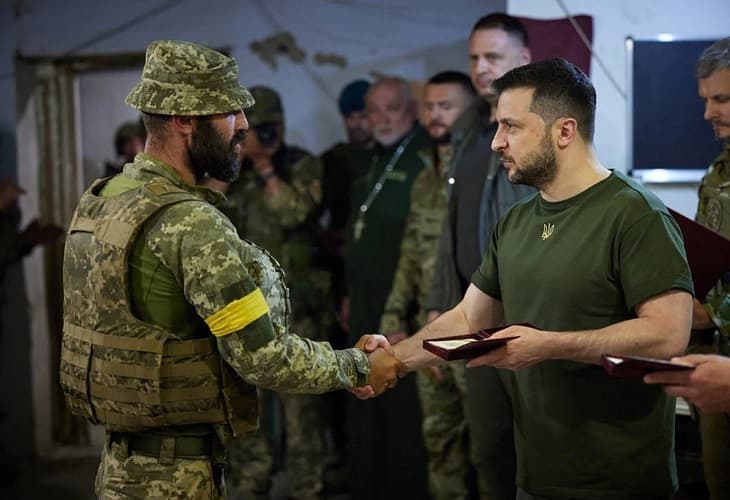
170,319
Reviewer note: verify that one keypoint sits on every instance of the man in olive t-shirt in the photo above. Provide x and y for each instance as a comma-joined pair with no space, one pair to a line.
596,265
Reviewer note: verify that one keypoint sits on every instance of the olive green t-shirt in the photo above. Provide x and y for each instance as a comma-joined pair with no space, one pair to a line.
581,264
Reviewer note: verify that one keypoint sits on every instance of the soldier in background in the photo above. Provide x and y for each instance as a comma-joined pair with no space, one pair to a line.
275,204
129,140
380,446
170,319
341,165
481,194
15,244
440,389
705,387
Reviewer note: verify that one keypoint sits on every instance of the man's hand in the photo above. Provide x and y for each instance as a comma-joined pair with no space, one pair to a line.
36,233
9,194
384,371
707,386
530,348
370,344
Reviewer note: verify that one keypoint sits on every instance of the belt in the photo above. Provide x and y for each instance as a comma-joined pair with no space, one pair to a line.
157,445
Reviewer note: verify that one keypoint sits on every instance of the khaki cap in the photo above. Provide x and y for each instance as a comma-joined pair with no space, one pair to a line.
183,78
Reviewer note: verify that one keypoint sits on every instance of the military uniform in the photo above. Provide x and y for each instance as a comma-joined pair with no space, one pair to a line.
286,225
444,423
170,320
713,211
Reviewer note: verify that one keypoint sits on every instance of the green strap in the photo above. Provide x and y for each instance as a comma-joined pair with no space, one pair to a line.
123,395
174,348
114,420
77,384
190,347
75,359
190,369
113,341
111,231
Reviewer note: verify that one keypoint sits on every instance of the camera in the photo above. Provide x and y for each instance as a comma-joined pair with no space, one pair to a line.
267,133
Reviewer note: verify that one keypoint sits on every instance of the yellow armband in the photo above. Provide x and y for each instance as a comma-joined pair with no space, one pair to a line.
238,314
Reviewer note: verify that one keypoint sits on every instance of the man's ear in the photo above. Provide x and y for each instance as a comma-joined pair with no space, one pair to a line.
525,56
567,131
183,125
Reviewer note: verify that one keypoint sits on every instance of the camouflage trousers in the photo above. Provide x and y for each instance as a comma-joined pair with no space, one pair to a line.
250,459
123,475
715,431
445,431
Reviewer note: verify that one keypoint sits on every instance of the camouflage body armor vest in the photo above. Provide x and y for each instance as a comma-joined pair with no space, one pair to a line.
117,370
713,210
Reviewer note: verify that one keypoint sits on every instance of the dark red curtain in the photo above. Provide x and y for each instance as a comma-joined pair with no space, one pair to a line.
558,38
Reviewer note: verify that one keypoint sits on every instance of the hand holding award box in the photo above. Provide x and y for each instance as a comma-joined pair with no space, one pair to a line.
466,346
618,365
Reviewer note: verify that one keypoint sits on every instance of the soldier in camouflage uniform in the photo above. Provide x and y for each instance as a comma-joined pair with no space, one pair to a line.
713,211
441,390
274,203
15,244
170,320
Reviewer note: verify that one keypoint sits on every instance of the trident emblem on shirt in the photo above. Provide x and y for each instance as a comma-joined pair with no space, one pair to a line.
547,231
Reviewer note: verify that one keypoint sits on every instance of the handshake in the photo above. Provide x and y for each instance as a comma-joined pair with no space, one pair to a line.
385,369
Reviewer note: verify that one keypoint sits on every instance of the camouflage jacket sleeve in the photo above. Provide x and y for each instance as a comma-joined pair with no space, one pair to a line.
718,306
299,198
238,289
406,279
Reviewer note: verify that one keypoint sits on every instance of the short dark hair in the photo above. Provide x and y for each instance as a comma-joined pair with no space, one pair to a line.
455,77
561,89
126,132
504,22
713,58
155,124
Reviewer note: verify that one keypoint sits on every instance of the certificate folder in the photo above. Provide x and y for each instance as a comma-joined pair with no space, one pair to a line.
618,365
466,346
708,253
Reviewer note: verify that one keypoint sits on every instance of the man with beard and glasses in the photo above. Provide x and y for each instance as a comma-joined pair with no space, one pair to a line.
591,264
708,385
274,203
440,390
170,319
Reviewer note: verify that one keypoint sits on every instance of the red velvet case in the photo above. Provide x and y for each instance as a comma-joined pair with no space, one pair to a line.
708,253
482,345
618,365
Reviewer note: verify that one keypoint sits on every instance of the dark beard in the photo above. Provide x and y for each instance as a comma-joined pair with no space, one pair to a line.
444,138
211,155
539,168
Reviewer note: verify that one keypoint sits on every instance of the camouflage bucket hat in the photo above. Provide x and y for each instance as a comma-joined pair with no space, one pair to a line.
268,106
183,78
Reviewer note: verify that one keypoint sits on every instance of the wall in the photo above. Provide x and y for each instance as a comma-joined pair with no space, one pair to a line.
613,22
